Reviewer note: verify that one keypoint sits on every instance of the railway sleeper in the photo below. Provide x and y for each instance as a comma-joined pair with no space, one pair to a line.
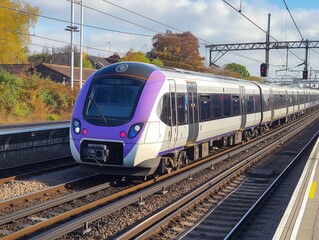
5,232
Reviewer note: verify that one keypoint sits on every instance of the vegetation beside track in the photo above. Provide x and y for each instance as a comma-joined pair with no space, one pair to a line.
33,99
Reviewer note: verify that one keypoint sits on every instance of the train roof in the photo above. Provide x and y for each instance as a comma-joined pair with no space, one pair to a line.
144,70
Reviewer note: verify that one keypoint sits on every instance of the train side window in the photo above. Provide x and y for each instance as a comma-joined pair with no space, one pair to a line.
282,100
205,107
181,111
173,112
217,106
266,102
291,96
257,103
235,105
227,105
250,104
164,109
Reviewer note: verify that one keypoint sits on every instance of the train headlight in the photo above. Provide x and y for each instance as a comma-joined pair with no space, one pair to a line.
134,130
76,125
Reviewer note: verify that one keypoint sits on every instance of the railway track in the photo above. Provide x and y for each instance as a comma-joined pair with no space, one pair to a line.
91,214
44,195
50,204
32,169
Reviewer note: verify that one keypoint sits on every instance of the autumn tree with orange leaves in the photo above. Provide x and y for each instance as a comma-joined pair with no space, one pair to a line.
180,50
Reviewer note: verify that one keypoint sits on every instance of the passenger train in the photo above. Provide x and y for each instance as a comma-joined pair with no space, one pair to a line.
137,119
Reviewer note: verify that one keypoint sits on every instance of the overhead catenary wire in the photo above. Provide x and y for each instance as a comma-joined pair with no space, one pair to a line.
85,25
251,21
113,30
151,19
240,12
55,40
302,38
243,56
292,18
136,24
119,18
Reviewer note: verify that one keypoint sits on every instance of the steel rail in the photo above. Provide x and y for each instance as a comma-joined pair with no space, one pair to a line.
40,193
157,185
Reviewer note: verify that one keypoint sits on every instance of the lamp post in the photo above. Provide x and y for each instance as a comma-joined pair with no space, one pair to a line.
72,29
81,46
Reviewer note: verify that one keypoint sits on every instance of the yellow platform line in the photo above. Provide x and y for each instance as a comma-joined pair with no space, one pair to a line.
312,190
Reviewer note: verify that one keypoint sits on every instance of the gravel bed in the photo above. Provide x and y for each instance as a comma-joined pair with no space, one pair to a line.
17,188
20,187
62,176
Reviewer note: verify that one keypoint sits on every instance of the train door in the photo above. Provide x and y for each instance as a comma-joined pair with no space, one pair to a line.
193,125
243,107
272,103
173,114
287,102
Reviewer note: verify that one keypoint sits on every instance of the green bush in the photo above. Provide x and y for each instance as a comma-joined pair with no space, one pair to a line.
49,99
10,89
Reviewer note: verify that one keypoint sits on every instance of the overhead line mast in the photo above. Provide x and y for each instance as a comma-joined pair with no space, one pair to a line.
222,49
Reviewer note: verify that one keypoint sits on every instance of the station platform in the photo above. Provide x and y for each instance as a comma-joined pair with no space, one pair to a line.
301,218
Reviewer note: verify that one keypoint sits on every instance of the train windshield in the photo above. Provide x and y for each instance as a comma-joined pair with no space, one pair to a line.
112,101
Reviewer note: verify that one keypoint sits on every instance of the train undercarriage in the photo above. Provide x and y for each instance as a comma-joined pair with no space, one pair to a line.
194,152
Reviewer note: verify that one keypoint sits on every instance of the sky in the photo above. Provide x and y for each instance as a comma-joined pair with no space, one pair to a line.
110,28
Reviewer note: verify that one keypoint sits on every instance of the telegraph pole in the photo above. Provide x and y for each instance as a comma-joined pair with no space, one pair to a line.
267,45
81,45
305,73
71,47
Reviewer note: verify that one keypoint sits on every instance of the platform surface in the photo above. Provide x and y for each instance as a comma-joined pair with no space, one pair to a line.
301,218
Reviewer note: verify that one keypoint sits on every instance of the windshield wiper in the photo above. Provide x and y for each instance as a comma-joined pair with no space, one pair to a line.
98,109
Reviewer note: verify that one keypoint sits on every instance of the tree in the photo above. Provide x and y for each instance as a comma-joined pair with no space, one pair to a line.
237,68
37,58
136,57
177,50
65,49
16,17
85,62
157,62
140,57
